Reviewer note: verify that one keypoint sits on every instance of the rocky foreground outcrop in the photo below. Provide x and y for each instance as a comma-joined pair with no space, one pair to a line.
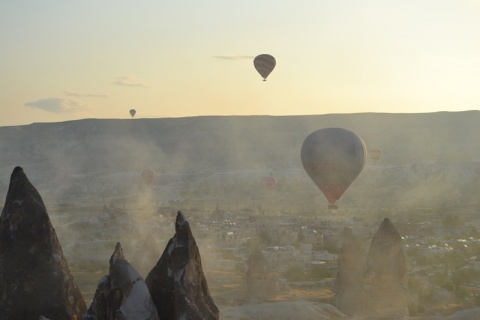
35,279
381,290
122,294
177,282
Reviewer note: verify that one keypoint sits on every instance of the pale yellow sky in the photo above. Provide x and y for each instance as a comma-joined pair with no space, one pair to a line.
65,60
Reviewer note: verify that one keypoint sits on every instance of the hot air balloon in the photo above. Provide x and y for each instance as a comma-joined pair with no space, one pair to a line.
132,112
333,158
269,182
148,175
375,154
264,64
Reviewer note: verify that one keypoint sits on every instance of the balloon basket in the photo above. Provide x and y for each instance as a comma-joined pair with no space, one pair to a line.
332,207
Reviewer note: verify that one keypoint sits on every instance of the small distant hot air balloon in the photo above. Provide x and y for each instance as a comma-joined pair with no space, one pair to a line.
148,175
333,158
269,182
264,64
375,154
132,112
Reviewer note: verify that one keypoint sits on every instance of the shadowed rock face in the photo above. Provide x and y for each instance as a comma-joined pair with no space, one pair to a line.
177,283
386,254
34,276
121,295
375,287
385,280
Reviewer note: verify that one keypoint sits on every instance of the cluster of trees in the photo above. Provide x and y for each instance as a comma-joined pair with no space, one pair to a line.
297,273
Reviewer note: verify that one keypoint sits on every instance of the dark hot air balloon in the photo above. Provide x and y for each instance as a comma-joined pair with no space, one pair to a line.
333,158
264,64
132,112
148,175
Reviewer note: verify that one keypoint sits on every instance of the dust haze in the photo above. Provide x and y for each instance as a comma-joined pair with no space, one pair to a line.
212,169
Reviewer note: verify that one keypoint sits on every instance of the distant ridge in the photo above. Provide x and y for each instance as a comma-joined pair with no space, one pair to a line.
116,149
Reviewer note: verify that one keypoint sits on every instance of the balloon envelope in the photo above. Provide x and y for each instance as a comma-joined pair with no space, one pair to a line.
264,64
269,182
148,175
132,112
333,158
375,154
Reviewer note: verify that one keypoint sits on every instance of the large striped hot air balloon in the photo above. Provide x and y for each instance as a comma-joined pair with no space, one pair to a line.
333,158
264,64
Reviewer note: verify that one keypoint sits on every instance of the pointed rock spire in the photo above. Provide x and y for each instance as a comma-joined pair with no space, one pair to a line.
34,276
386,254
375,287
385,288
122,294
177,283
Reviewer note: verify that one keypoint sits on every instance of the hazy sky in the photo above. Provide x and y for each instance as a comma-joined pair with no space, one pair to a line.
63,60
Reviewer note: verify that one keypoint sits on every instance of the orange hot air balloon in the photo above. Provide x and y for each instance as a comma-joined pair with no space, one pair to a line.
375,154
269,183
132,112
333,158
264,64
148,175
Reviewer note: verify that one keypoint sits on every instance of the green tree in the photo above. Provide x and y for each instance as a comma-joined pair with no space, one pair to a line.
295,273
320,271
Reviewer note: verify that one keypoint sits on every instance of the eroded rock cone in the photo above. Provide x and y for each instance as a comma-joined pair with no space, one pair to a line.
177,283
385,288
121,295
350,273
34,276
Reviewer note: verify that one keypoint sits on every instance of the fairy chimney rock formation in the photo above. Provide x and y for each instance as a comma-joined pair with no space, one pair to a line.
350,273
177,282
35,279
385,281
122,294
375,286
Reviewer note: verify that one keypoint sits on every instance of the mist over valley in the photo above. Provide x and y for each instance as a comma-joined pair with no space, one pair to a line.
428,160
213,169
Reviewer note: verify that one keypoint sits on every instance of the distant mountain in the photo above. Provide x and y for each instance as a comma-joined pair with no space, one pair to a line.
425,158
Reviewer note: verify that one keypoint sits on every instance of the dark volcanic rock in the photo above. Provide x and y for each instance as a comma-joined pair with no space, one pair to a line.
350,273
34,276
121,295
177,283
385,283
